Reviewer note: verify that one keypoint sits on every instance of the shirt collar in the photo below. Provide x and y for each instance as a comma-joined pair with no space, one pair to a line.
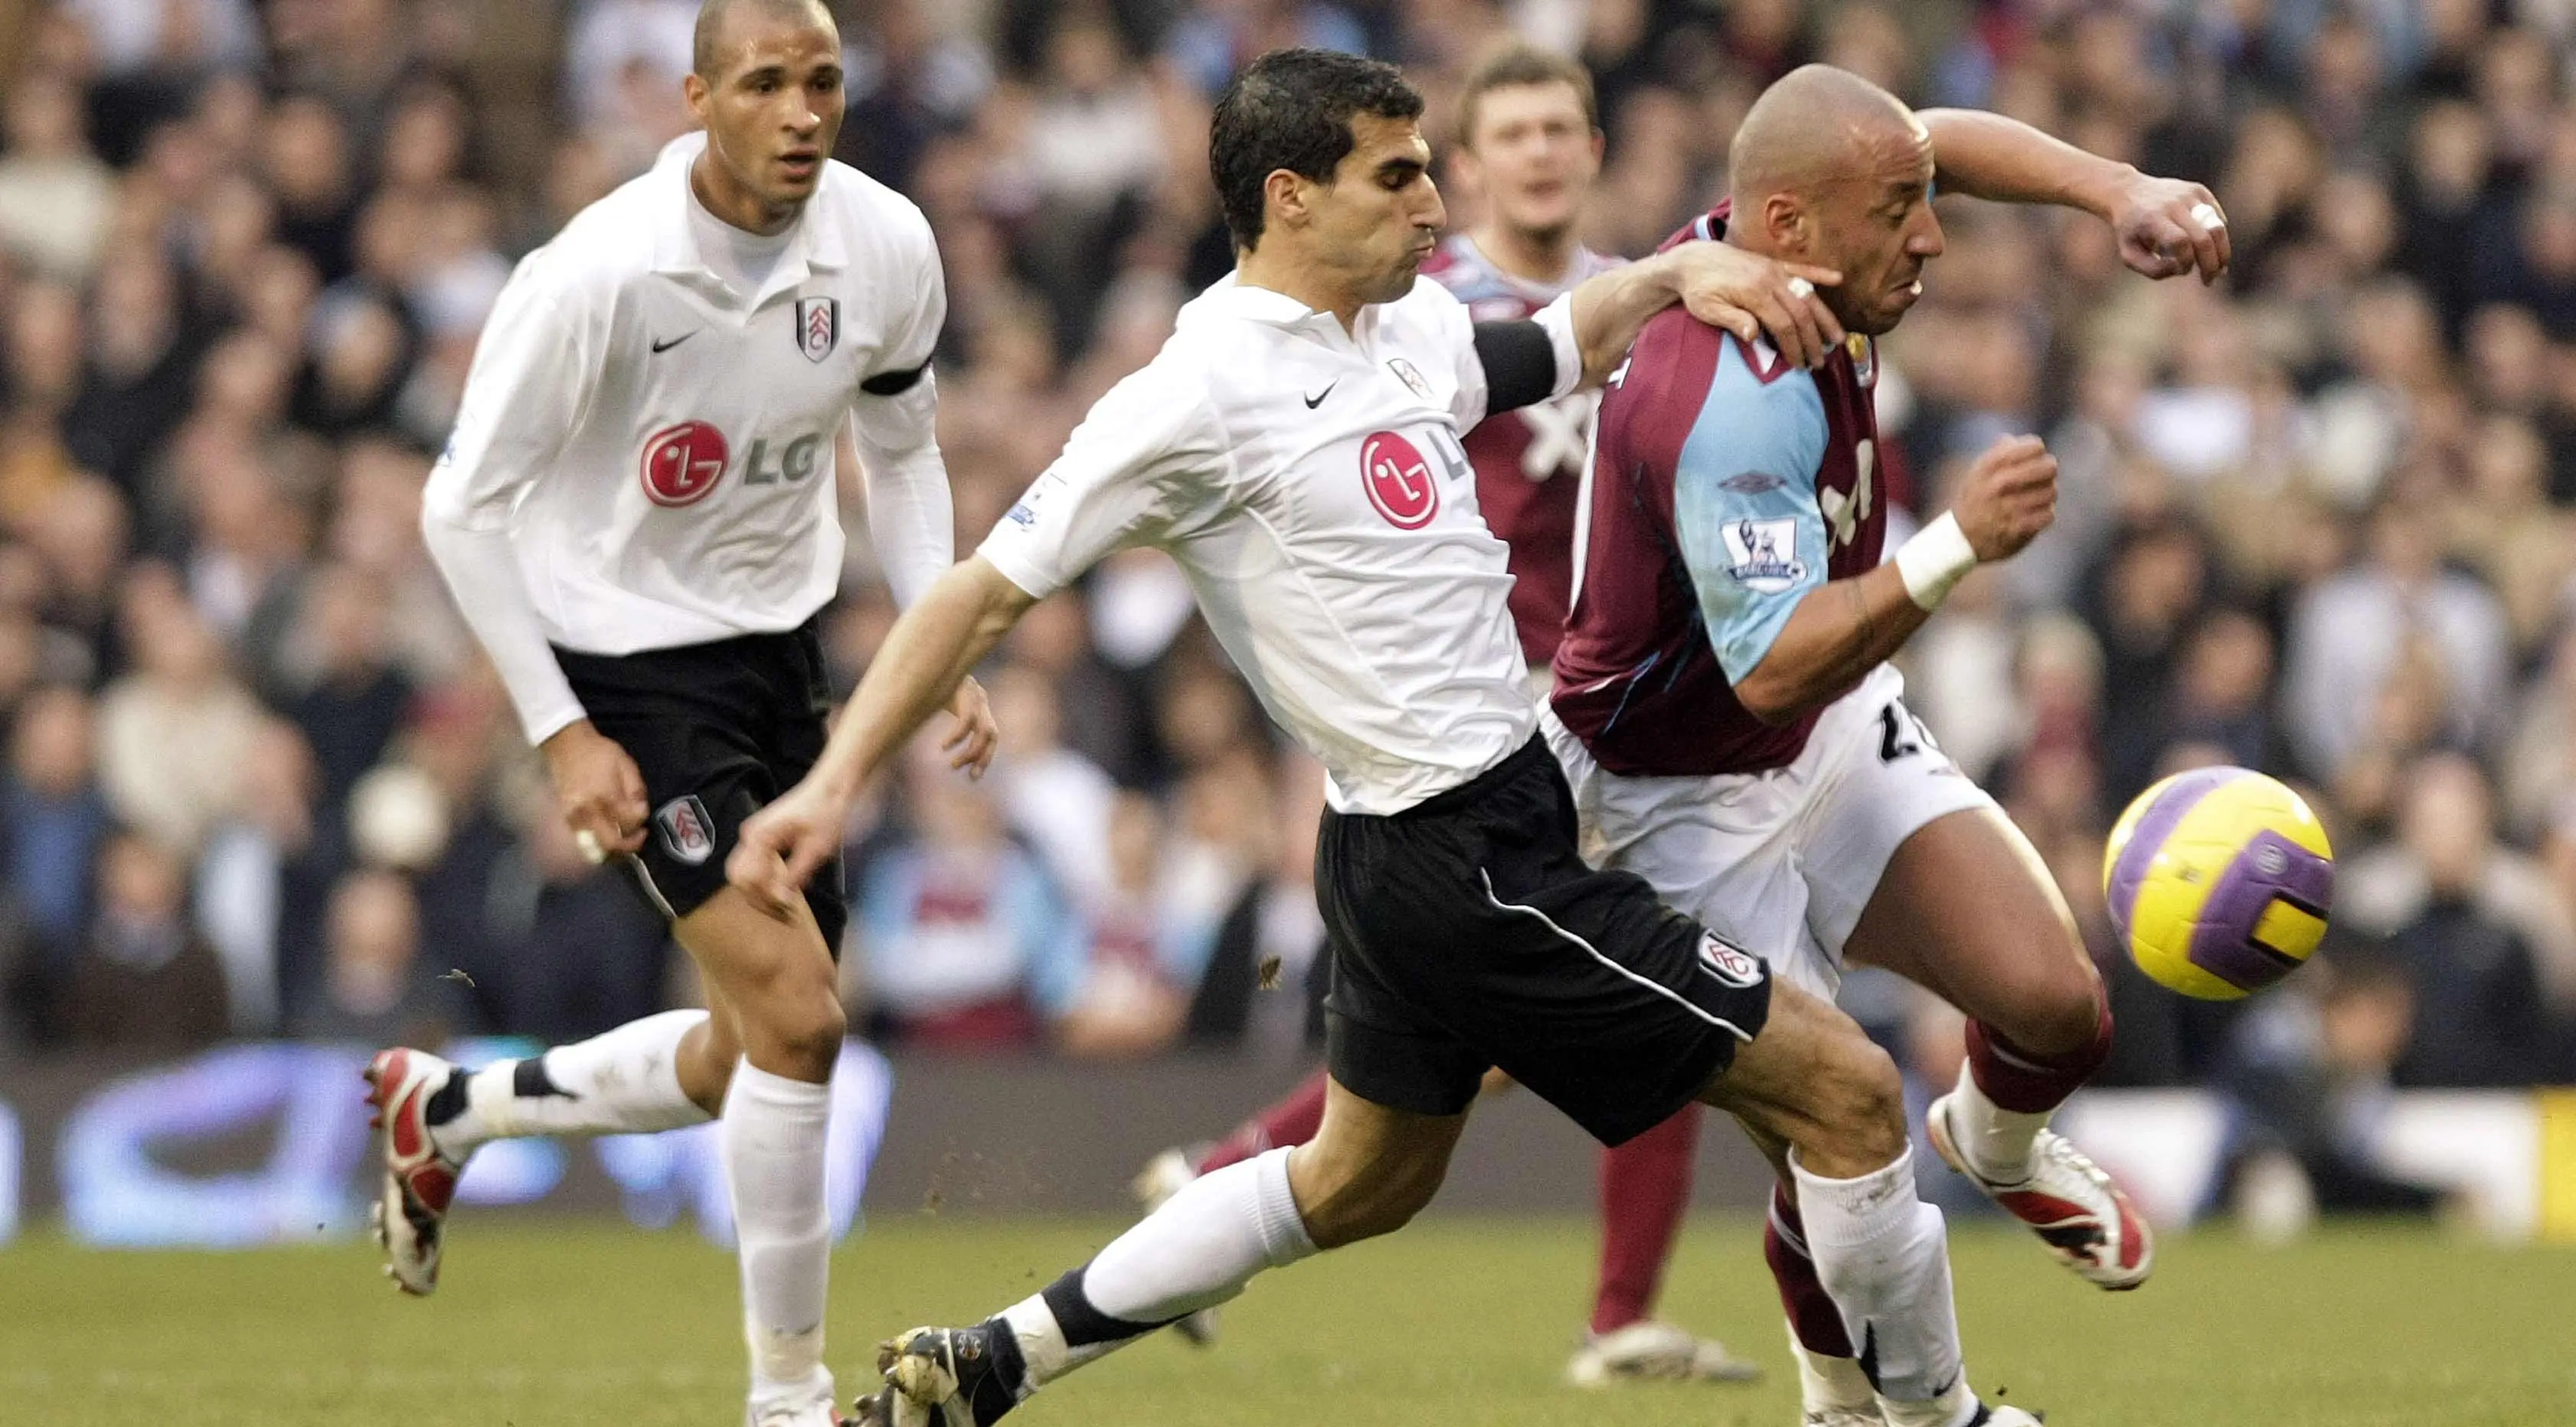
814,242
1230,296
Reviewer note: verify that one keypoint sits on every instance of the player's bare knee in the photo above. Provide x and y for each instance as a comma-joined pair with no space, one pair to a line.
1859,1111
2056,1007
797,1034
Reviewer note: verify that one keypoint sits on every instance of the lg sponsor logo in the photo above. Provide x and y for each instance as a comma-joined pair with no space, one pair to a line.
683,464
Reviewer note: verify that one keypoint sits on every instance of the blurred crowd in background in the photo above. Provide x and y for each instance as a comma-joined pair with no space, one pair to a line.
2318,520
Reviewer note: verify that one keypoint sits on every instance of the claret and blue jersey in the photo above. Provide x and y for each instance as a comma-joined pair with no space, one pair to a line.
1725,485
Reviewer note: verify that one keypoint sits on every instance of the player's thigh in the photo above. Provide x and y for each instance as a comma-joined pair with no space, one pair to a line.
1967,909
775,976
1814,1080
1369,1168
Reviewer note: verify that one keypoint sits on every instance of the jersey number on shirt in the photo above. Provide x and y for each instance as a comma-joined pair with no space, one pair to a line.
1846,513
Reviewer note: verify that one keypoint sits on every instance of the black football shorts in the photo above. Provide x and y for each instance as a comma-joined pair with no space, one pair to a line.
1467,932
718,730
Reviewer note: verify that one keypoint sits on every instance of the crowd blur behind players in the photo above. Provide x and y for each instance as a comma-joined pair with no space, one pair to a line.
2320,520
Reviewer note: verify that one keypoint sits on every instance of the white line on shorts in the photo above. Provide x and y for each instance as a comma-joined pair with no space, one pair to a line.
1594,952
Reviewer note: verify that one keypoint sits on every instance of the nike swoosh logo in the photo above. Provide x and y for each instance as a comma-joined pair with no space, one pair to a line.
666,346
1318,398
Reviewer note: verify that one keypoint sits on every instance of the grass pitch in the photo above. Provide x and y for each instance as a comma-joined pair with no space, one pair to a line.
1458,1322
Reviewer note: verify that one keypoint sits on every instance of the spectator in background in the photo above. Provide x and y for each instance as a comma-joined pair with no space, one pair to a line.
963,942
350,696
174,733
52,821
1263,989
2311,1072
2140,600
144,978
2221,694
1147,946
2477,925
2538,772
2350,636
1054,797
140,368
376,988
260,884
54,194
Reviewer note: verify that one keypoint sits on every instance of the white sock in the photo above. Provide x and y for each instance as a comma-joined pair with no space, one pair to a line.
1884,1257
1995,1141
624,1081
1830,1384
1195,1252
774,1131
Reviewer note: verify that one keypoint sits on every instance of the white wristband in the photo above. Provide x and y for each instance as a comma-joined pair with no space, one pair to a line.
1938,557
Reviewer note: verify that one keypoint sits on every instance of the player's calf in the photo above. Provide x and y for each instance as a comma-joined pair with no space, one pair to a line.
1812,1080
1350,1189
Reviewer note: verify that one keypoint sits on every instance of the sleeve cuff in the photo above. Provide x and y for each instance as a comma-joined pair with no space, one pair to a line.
1017,569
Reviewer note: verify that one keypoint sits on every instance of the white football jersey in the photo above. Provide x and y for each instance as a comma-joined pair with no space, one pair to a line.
1309,481
661,446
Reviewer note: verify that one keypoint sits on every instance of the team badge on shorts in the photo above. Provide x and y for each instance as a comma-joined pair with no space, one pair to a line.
818,326
1724,962
687,833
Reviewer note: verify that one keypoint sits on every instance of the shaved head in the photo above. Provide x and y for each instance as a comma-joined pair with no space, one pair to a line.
1832,170
1817,125
707,45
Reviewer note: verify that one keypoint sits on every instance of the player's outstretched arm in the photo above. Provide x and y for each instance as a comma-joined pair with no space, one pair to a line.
2166,226
1844,628
946,632
1724,286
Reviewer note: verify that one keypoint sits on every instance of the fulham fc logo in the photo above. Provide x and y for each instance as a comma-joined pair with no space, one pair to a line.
818,326
686,833
1727,964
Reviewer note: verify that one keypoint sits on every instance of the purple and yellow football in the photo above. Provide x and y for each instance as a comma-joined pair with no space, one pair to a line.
2219,882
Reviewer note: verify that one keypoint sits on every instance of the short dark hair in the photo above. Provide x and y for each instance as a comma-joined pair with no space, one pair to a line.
1292,109
1517,64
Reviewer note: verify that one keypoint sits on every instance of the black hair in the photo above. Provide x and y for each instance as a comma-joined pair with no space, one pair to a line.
1292,109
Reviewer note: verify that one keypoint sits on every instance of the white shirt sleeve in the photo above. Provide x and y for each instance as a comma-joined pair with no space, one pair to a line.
532,379
1455,330
911,516
1149,453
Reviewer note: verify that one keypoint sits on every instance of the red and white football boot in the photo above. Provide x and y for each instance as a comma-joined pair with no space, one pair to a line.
420,1179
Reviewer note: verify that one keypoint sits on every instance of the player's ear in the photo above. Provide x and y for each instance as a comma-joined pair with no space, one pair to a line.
1785,220
1286,194
695,89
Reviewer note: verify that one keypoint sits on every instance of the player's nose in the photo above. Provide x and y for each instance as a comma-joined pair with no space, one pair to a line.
1927,241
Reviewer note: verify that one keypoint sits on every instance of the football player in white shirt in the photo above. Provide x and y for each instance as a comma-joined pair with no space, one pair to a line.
1294,447
637,514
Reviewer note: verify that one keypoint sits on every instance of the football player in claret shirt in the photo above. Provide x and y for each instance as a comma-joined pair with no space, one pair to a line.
1729,724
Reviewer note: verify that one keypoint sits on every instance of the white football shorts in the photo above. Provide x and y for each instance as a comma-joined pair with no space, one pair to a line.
1780,863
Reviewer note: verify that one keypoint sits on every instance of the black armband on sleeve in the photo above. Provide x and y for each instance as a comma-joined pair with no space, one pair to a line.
893,383
1519,362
